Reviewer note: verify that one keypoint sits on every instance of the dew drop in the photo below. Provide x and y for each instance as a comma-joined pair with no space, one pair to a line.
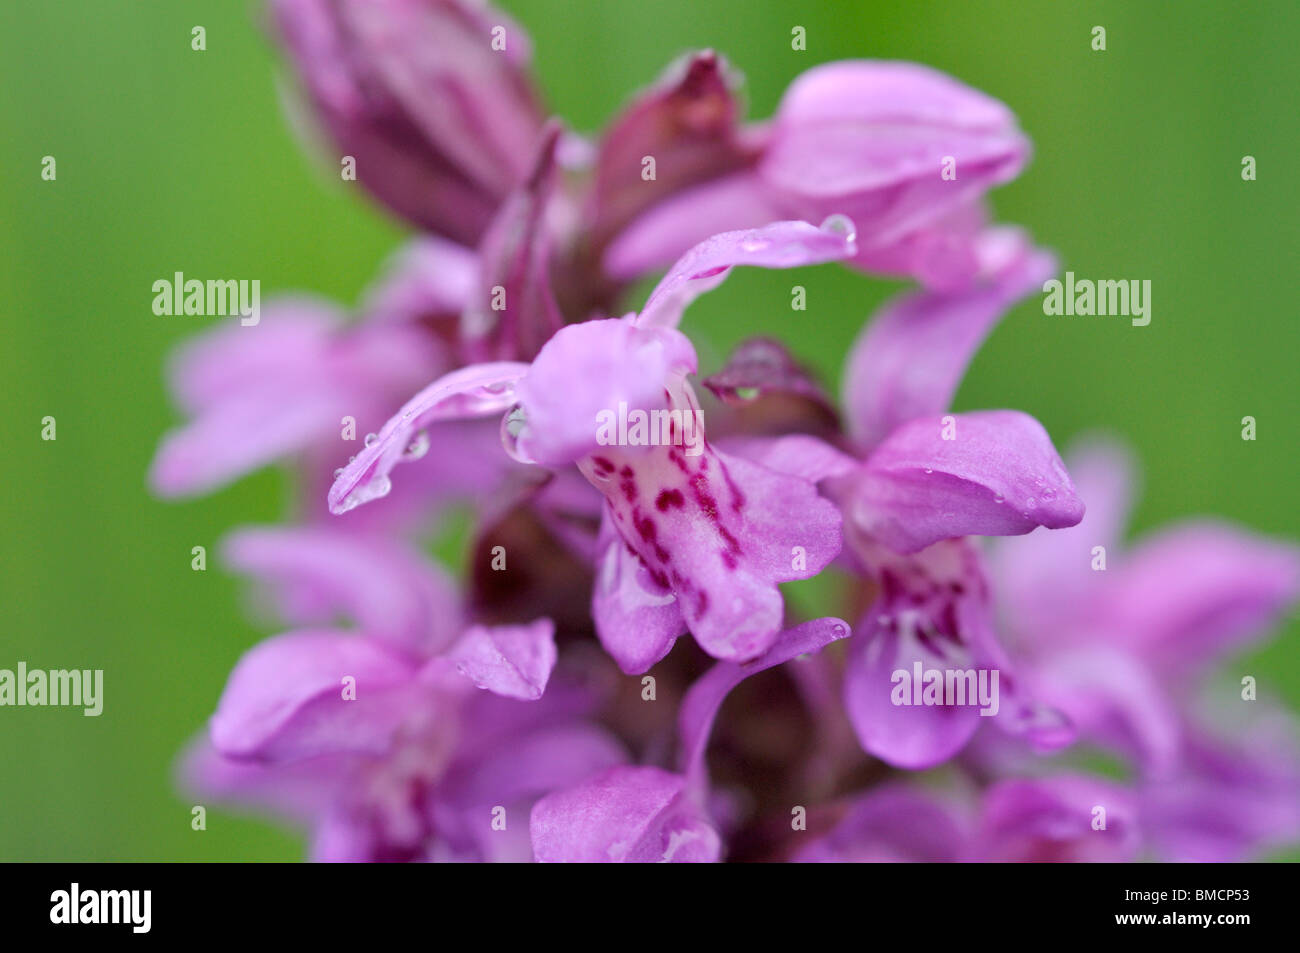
370,439
838,224
365,492
418,446
513,425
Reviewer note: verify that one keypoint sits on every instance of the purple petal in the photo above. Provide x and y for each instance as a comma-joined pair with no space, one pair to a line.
795,454
623,815
908,361
592,369
1114,701
1057,819
869,139
687,122
300,792
1045,581
894,824
999,476
476,391
527,764
704,267
637,619
514,661
439,122
1236,797
285,698
659,237
721,533
269,390
906,736
428,277
470,98
513,311
1198,591
701,705
393,594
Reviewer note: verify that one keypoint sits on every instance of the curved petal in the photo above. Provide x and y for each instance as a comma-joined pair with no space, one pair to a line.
704,699
906,735
861,125
266,391
514,661
871,139
637,619
391,592
244,433
778,245
1047,586
588,377
1236,796
687,122
292,339
285,699
1197,591
300,792
908,361
1114,701
514,311
721,533
475,391
1065,818
527,764
998,475
662,233
895,824
623,815
428,277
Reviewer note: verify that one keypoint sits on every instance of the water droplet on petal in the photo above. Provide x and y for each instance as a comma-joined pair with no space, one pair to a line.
999,499
371,438
928,470
513,425
838,224
1030,503
365,492
418,446
338,473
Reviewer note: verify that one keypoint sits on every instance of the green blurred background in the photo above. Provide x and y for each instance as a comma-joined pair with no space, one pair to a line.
174,160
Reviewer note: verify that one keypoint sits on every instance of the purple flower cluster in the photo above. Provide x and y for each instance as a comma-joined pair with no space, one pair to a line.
541,708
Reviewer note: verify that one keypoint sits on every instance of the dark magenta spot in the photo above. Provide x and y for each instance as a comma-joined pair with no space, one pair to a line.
669,499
